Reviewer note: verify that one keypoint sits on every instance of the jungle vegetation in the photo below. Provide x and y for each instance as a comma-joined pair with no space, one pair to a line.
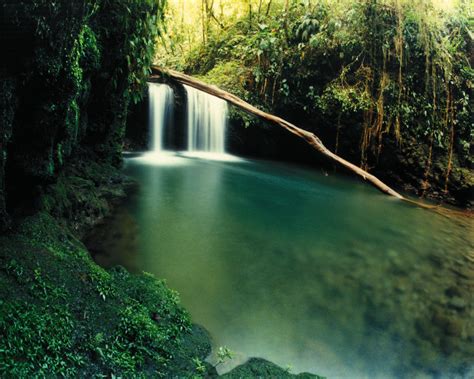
385,83
69,72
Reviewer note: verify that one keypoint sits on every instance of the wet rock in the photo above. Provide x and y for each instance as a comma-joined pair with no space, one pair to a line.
196,343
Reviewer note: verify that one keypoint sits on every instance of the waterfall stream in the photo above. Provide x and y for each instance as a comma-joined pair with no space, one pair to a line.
206,119
160,113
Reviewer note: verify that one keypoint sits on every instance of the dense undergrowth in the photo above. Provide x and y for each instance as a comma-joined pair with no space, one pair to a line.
385,83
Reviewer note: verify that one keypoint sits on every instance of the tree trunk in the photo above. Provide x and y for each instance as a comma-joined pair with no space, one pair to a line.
309,137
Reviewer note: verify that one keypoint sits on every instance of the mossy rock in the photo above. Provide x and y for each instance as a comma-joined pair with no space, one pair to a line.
261,368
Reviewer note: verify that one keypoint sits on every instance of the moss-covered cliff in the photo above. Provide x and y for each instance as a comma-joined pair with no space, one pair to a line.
69,72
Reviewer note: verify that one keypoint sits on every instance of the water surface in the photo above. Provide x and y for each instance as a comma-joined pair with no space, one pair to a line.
306,269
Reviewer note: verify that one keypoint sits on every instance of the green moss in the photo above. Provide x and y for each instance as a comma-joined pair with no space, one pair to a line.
61,314
261,368
90,59
83,191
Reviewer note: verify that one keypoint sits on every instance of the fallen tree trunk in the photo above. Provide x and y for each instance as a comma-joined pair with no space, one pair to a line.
309,137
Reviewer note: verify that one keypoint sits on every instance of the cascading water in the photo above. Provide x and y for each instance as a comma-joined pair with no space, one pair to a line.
207,119
160,113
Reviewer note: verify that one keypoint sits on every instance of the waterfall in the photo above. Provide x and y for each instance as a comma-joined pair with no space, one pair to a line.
160,113
207,118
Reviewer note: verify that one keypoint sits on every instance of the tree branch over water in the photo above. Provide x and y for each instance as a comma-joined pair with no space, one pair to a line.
309,137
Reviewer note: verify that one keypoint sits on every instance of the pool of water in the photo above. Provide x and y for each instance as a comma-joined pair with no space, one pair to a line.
307,269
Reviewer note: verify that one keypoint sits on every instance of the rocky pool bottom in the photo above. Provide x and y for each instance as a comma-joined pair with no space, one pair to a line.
63,315
301,268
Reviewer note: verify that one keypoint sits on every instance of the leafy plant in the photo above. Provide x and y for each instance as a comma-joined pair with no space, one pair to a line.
200,367
223,355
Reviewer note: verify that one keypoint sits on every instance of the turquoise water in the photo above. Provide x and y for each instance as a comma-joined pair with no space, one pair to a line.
304,268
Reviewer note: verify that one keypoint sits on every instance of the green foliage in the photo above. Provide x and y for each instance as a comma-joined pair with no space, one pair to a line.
200,367
91,54
34,343
51,78
223,355
126,32
62,315
379,78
